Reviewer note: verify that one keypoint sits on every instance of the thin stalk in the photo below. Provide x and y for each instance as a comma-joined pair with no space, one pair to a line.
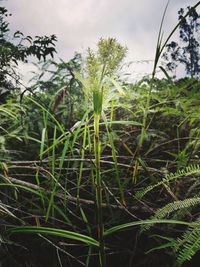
82,160
114,156
89,254
98,184
91,162
54,181
39,190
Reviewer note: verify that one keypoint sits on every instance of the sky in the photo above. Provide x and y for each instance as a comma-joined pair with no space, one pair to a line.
79,24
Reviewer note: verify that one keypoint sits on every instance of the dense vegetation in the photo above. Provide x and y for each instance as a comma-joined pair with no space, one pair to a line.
96,170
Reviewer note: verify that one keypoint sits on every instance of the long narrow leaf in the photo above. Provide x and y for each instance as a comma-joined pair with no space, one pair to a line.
131,224
56,232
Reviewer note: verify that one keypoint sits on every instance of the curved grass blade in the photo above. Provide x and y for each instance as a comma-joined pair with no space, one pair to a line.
23,187
131,224
56,232
49,114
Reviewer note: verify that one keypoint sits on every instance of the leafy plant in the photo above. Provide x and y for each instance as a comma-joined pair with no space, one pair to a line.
100,68
94,157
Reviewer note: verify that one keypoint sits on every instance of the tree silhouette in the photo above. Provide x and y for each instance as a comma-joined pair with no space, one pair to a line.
18,48
187,51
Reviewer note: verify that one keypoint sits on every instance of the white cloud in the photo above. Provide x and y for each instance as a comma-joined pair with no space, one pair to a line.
80,23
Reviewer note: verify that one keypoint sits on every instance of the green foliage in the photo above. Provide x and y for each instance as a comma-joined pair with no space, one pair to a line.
67,157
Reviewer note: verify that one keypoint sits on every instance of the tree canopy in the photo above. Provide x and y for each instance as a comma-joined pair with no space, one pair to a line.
187,51
19,48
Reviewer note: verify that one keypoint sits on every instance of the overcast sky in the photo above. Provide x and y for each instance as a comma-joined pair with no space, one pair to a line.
79,24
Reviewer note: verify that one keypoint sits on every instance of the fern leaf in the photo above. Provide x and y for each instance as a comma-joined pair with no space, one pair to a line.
189,245
172,207
188,171
176,205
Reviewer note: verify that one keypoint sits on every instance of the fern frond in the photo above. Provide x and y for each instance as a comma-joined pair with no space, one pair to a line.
176,205
172,207
189,245
188,171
